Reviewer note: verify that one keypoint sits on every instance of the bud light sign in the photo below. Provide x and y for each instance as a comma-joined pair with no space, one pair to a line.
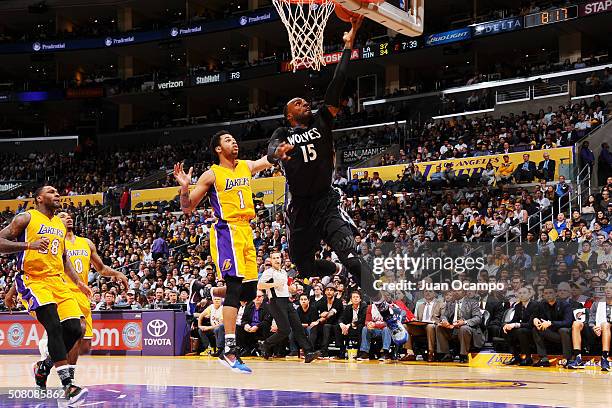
449,36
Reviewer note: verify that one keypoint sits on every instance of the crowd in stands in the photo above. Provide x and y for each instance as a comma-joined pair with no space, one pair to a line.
565,260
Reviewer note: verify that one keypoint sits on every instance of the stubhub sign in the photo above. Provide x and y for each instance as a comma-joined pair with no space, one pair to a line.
449,36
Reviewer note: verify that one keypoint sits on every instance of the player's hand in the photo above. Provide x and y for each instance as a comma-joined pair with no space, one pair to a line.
9,302
40,245
184,179
282,151
85,289
597,330
122,278
349,37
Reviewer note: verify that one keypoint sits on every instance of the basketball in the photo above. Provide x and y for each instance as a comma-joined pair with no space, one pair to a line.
344,14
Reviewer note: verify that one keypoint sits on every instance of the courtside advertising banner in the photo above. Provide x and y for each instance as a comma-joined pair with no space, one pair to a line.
75,200
20,333
470,165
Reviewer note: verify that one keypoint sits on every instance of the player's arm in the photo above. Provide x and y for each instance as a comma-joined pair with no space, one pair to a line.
335,87
189,201
10,296
258,165
105,270
278,146
9,235
74,276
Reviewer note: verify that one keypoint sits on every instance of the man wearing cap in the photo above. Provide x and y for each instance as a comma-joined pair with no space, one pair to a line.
131,300
329,310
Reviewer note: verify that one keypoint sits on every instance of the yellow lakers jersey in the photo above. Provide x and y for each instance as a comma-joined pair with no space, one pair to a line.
231,196
79,255
40,264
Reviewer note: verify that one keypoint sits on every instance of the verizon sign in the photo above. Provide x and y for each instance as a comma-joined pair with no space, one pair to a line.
170,85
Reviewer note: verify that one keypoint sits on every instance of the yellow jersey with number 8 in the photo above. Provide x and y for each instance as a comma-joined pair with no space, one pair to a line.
40,264
231,196
79,254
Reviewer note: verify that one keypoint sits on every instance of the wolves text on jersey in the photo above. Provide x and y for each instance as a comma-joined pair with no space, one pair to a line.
312,134
231,183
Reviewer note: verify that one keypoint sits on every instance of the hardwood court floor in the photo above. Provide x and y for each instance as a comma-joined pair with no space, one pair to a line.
202,381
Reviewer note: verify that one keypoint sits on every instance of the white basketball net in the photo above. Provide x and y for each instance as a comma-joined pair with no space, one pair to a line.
305,21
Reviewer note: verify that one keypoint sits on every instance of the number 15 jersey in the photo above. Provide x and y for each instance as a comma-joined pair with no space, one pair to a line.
40,264
231,196
310,170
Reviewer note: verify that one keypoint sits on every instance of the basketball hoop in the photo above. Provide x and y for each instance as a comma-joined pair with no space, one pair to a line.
305,21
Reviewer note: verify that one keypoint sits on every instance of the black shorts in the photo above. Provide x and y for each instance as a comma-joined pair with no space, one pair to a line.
310,221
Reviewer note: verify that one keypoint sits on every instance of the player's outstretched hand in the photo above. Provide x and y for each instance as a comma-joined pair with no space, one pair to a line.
349,37
85,289
282,151
123,279
184,179
9,301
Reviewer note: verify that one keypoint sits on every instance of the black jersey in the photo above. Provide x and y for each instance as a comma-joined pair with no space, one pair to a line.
309,172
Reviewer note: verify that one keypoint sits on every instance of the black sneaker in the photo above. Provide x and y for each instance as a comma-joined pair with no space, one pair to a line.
542,363
266,353
363,356
310,357
40,374
294,354
74,394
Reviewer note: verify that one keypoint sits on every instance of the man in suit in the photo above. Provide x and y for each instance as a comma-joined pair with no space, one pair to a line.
427,310
353,319
518,331
308,319
552,323
546,168
526,171
329,309
460,320
254,325
493,313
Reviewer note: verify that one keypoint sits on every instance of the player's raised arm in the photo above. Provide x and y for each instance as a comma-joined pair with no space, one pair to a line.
9,235
189,201
105,270
334,89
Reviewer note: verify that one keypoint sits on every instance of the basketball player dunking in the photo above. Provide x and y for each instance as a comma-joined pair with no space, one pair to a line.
231,238
38,237
313,213
81,253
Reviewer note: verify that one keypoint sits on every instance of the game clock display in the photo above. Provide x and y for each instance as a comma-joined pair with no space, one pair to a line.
551,16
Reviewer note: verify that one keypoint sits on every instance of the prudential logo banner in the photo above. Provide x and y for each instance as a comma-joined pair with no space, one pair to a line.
449,36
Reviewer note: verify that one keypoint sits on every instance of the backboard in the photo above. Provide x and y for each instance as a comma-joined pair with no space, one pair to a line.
406,17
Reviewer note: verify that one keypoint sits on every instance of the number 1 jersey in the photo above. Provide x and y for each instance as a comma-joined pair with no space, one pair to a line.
231,196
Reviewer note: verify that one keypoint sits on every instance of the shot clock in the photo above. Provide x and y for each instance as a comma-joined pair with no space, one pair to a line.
551,16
